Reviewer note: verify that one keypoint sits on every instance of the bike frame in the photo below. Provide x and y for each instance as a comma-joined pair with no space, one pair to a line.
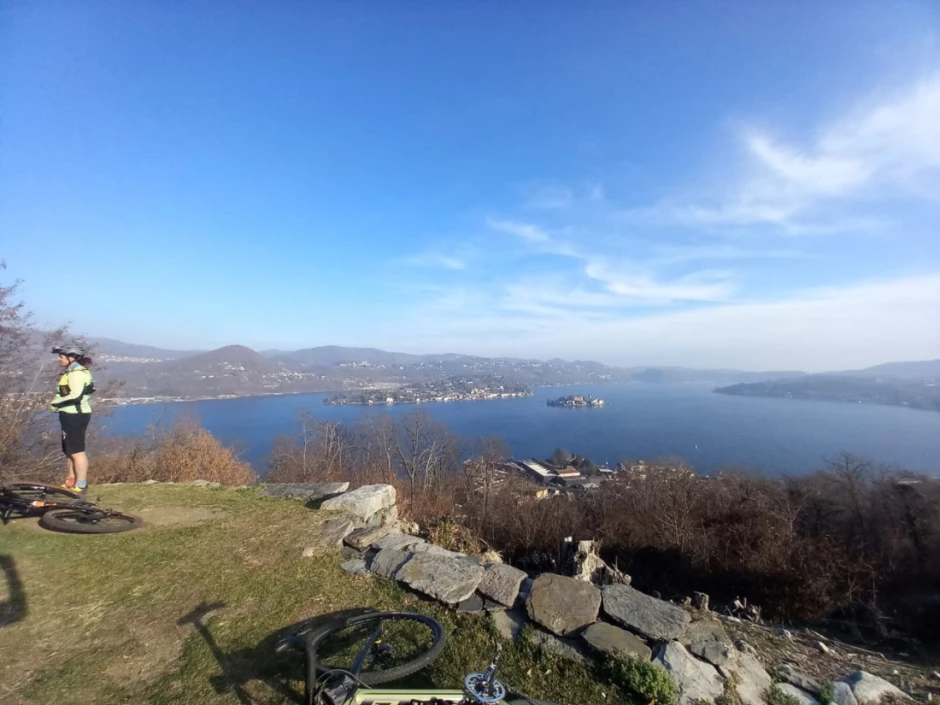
11,504
381,696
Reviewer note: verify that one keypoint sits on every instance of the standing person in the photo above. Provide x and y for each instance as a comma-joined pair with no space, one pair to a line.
72,405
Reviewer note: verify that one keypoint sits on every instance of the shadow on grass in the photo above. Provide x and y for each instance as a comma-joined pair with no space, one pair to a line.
261,662
13,609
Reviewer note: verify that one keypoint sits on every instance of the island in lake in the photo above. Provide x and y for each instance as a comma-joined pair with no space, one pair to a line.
449,389
912,393
576,401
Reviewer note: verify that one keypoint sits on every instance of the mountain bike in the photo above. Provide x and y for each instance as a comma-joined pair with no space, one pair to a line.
382,647
61,510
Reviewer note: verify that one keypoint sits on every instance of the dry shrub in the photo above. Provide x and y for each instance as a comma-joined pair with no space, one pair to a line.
184,453
188,452
447,533
853,541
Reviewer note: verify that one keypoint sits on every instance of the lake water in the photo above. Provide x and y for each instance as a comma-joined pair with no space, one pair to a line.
773,436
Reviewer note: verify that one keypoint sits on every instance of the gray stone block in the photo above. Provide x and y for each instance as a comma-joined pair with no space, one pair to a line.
647,615
561,604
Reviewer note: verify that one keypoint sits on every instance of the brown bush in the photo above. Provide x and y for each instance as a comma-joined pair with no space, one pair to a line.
184,453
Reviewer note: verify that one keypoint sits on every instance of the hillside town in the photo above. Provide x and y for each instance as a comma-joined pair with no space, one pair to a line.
444,390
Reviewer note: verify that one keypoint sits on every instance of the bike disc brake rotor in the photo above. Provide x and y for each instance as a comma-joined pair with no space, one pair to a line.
482,690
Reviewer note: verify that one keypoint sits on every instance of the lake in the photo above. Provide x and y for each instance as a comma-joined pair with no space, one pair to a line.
772,436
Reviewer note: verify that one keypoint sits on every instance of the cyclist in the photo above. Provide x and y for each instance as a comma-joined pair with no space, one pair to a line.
72,405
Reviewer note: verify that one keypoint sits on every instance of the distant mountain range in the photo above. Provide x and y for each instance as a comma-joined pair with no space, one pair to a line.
235,370
155,373
912,384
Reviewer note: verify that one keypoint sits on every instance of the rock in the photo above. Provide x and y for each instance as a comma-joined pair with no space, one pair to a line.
561,604
361,539
450,579
397,541
750,679
501,583
508,624
387,562
614,641
785,633
651,617
308,552
700,601
302,490
789,674
490,606
802,697
581,561
744,647
385,517
425,547
363,502
150,482
472,605
842,694
869,689
206,483
708,640
356,566
347,553
335,530
697,681
566,648
524,590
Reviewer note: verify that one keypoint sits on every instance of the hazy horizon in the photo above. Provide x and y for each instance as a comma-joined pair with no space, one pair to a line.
270,349
722,185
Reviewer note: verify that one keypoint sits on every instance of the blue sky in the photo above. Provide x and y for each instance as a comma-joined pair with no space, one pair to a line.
704,184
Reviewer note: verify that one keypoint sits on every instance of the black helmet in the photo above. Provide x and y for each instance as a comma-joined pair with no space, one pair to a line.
69,350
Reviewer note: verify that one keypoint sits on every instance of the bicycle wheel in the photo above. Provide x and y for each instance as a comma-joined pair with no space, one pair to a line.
89,521
32,492
379,647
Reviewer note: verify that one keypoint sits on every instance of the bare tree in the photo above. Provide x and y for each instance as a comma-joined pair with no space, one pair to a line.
484,475
28,440
426,451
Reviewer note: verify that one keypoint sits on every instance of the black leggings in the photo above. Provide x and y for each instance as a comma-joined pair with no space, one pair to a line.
73,432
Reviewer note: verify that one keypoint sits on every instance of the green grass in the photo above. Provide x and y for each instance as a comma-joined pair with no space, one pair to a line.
122,619
775,696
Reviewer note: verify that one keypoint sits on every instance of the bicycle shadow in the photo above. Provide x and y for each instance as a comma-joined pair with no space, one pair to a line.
259,662
13,609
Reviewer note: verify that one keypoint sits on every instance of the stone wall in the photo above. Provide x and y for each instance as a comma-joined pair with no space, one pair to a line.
572,618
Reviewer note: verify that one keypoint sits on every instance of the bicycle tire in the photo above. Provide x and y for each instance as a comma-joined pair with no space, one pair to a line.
26,489
84,521
316,638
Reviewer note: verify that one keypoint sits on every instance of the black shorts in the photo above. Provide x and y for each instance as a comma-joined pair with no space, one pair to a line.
73,432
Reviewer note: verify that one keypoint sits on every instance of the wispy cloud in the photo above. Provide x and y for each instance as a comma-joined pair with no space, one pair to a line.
679,281
850,326
886,145
638,285
526,231
434,260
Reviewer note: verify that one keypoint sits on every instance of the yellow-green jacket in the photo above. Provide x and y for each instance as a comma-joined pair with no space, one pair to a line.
73,390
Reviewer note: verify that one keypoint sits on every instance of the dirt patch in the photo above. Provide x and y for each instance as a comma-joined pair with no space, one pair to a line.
177,516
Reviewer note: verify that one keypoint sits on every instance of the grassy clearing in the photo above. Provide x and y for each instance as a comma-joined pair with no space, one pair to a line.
187,609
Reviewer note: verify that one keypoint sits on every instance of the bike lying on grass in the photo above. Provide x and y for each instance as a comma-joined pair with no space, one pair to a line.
61,510
383,647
